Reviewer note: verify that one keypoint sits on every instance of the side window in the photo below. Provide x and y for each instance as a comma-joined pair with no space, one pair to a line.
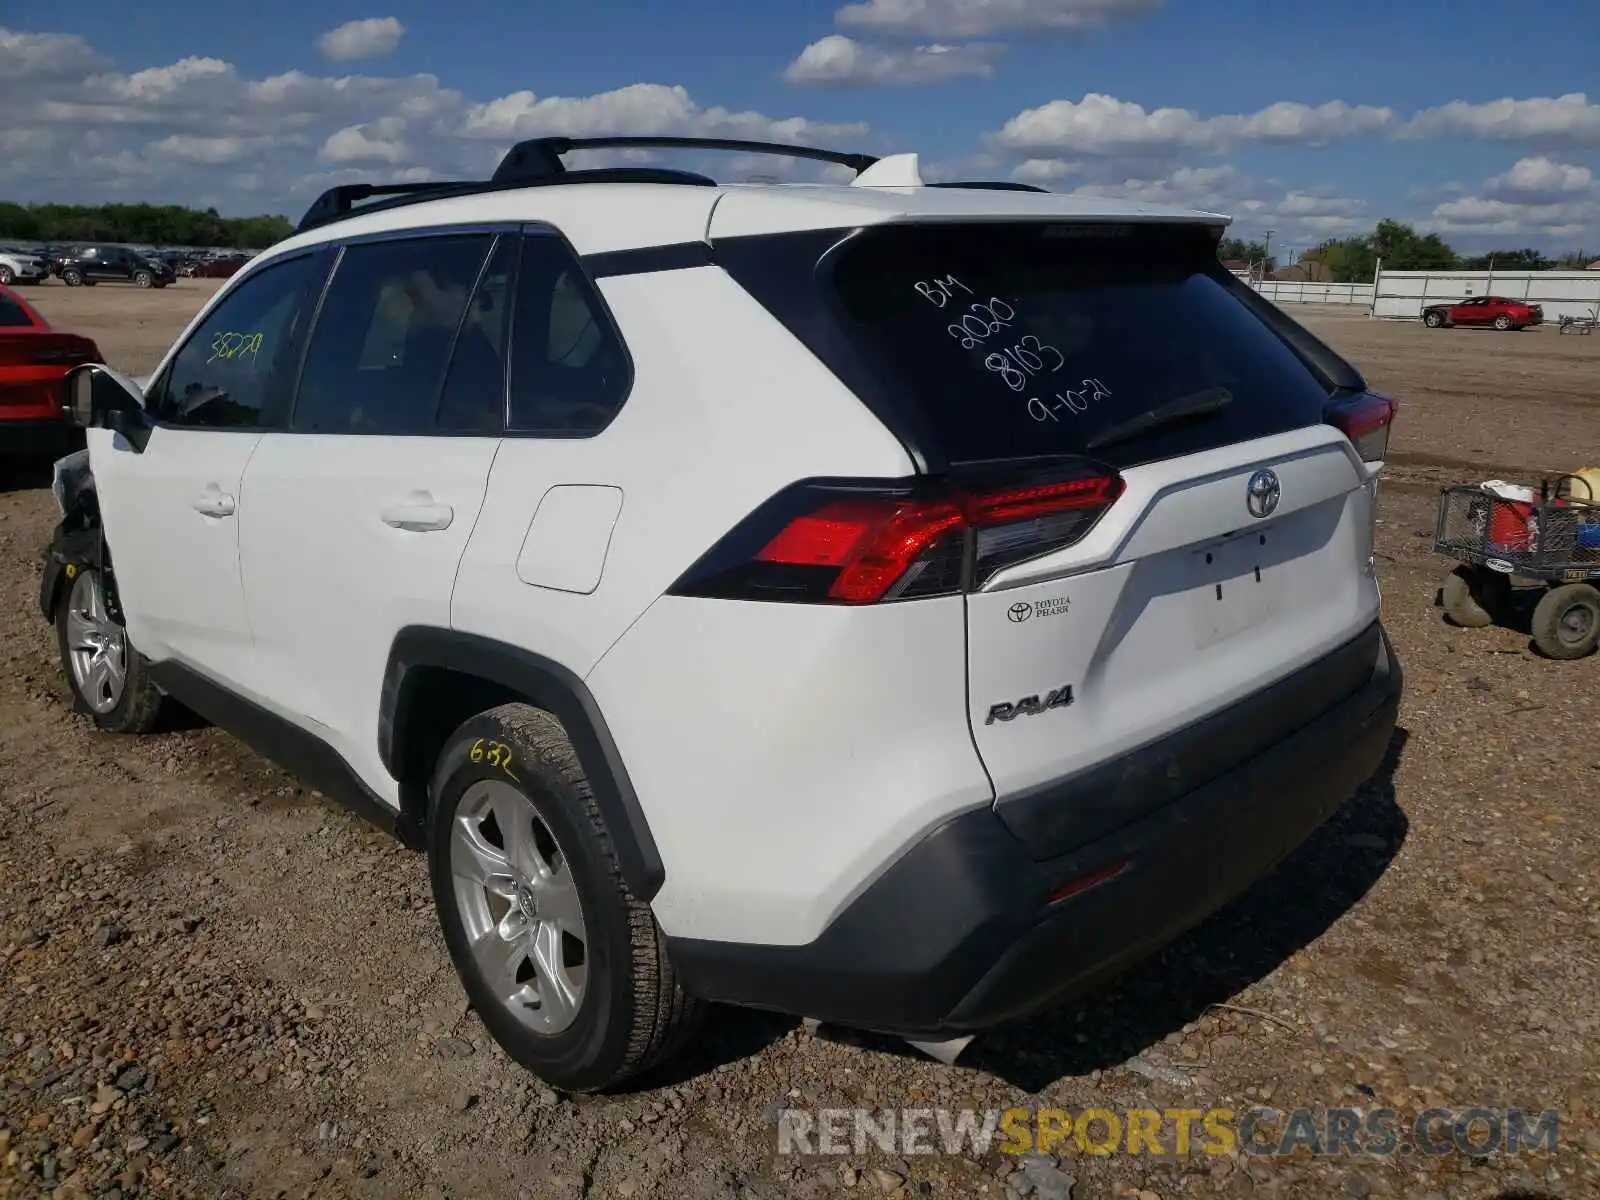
474,399
377,356
570,371
236,370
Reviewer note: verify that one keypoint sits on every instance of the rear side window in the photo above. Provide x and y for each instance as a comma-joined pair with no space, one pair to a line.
570,372
1020,340
376,362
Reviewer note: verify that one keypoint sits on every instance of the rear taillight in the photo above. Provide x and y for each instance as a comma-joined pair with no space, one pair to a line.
859,543
1366,421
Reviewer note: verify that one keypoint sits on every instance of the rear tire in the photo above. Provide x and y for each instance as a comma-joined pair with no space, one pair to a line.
566,968
1502,323
110,680
1566,624
1474,597
7,276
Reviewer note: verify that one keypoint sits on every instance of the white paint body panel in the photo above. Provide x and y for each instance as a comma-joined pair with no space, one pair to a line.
1146,642
566,545
707,434
784,754
329,583
177,569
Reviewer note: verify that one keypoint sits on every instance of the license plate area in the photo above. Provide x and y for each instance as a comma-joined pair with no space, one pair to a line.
1236,586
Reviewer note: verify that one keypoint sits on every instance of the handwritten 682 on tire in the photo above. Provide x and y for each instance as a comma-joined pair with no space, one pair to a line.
564,965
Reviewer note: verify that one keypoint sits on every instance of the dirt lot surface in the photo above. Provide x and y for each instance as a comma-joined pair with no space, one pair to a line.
215,985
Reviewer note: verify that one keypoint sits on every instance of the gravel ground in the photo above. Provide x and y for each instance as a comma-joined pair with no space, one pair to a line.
217,985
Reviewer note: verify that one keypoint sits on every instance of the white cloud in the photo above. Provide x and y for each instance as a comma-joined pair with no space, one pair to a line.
42,56
981,18
1536,177
1102,124
371,38
76,127
1569,120
378,141
840,61
212,150
640,108
1295,215
1043,170
1536,197
1484,215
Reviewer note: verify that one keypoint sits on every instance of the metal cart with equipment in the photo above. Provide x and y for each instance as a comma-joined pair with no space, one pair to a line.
1553,537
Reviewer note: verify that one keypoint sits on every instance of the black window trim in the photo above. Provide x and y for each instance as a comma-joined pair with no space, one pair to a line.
604,317
279,421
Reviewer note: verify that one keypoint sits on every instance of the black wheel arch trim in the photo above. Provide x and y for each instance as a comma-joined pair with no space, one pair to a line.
72,546
543,682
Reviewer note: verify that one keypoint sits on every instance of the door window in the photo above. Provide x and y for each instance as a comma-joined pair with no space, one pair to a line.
474,399
237,369
377,357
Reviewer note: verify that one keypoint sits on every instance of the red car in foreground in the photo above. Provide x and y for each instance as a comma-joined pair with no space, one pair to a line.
1495,311
33,359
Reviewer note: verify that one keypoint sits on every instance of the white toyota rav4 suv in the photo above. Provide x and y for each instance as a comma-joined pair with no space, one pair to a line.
900,605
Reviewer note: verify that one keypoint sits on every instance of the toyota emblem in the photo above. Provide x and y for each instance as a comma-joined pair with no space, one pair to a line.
1020,611
1262,493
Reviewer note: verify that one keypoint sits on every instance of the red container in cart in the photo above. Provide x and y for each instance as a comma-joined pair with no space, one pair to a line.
1509,525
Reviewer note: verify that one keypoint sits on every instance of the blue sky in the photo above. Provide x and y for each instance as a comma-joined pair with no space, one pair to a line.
1312,119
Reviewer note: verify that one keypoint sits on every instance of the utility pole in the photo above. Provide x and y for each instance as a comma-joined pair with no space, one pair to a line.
1267,253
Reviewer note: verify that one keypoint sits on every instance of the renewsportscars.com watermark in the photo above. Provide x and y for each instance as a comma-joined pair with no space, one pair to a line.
1323,1132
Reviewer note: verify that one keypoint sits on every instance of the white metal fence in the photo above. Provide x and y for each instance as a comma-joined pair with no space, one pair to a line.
1286,291
1404,294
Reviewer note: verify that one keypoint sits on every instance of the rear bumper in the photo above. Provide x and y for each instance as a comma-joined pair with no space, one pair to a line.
36,436
959,934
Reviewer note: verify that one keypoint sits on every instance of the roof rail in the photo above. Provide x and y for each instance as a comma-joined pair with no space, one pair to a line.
537,162
339,202
540,158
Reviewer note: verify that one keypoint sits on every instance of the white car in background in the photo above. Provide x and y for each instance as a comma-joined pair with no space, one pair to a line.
16,266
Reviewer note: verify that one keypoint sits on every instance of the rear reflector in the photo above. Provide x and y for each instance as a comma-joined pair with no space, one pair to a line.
1093,879
861,543
1366,421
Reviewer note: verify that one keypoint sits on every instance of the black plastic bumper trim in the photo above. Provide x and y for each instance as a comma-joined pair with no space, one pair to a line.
1064,814
959,935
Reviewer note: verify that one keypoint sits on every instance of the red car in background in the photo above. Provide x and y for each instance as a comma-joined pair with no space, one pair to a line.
33,360
1494,311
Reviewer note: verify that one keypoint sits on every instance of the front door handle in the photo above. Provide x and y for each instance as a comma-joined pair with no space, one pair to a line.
419,514
213,502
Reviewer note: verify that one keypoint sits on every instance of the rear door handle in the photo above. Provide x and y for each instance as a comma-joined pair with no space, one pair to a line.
419,514
213,502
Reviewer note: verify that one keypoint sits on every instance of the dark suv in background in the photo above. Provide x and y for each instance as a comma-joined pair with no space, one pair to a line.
91,264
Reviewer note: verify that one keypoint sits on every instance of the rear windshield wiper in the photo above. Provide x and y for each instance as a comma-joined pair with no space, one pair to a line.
1184,408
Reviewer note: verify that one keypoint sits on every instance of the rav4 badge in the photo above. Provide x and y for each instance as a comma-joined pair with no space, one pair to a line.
1030,706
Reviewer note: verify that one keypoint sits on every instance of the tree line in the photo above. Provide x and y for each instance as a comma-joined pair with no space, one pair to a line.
1402,248
146,224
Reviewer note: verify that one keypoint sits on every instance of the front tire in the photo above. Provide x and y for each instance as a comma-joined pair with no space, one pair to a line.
1432,320
109,679
7,276
72,278
566,968
143,279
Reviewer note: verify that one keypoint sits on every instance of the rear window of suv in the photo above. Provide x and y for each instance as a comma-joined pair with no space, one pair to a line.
1028,339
